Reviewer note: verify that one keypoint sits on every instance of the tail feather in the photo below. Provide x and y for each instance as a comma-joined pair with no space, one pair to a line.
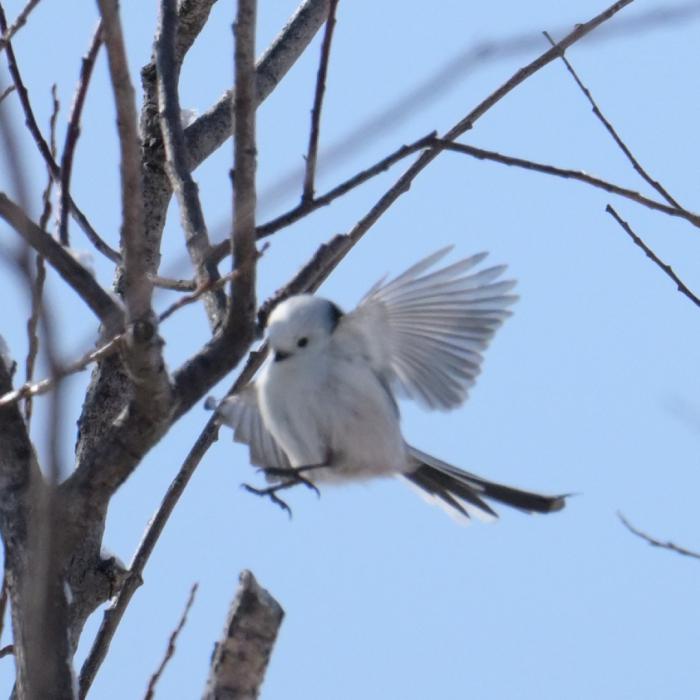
463,493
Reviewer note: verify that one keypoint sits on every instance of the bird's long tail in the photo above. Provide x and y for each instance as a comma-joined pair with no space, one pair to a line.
462,494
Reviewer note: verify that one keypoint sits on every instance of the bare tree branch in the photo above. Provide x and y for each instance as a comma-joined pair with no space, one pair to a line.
241,656
34,130
29,389
611,130
138,286
7,91
667,269
241,317
658,543
144,357
40,272
221,250
9,32
170,650
72,135
214,127
42,648
312,153
571,175
182,183
83,283
174,285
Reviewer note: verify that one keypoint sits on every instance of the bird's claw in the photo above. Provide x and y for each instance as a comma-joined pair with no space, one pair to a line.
293,476
271,493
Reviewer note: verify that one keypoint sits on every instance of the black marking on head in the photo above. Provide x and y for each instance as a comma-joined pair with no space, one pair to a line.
335,313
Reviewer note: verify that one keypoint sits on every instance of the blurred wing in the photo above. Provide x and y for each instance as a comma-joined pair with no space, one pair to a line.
242,413
425,331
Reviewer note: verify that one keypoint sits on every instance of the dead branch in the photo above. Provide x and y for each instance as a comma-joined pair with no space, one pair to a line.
9,32
182,183
71,140
611,130
76,276
36,134
570,175
223,249
667,269
312,153
215,126
40,272
170,650
7,91
241,656
108,348
657,543
144,357
241,317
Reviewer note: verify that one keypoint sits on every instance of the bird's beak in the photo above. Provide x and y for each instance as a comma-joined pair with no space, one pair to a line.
281,355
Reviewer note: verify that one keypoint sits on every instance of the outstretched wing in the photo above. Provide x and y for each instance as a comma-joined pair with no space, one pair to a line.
242,413
425,331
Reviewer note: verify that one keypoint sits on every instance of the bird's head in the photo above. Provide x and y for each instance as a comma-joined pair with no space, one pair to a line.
300,325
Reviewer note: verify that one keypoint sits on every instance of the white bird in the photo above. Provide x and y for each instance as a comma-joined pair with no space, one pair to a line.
324,408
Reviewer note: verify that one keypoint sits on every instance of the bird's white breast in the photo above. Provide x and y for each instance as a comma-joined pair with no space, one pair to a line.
332,407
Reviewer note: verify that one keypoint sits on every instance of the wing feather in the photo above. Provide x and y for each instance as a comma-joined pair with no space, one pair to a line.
242,413
425,330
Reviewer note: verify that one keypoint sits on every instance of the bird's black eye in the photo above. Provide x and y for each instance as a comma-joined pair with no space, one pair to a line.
302,342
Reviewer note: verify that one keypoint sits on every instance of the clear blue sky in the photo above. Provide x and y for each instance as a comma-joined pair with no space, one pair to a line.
590,388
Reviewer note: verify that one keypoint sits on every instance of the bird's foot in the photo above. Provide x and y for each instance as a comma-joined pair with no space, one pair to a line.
271,493
292,477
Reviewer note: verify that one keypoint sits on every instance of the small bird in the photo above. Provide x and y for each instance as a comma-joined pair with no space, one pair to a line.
324,408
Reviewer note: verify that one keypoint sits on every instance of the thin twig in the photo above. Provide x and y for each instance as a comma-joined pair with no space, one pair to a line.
7,650
29,389
46,385
223,249
181,181
215,126
571,175
201,291
170,650
71,140
40,276
312,153
241,316
658,543
44,149
83,283
7,91
611,130
667,269
9,32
